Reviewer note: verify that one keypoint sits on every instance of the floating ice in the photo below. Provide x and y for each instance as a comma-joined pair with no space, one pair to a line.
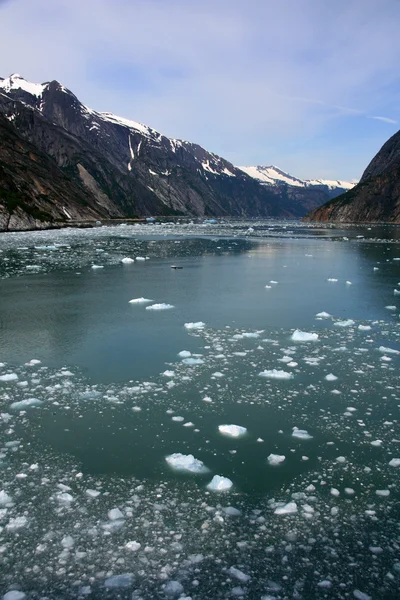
391,307
348,283
330,377
140,300
16,523
33,362
67,541
140,258
186,463
219,484
361,595
288,509
9,377
276,374
383,350
276,459
119,581
184,354
237,574
301,434
127,260
364,327
23,404
304,336
197,325
133,546
193,361
232,430
4,498
114,514
178,419
382,493
169,373
346,323
231,511
14,595
173,589
161,306
97,267
376,443
92,493
323,315
395,462
332,279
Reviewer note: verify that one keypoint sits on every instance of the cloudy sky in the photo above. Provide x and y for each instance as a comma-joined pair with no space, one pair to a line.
312,86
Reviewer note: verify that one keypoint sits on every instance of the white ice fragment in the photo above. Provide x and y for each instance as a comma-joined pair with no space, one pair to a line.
119,581
4,498
9,377
127,260
232,430
161,306
178,419
301,434
197,325
92,493
14,595
67,541
184,354
346,323
237,574
23,404
348,283
173,589
132,546
276,459
325,584
330,377
220,484
64,497
114,514
304,336
169,373
391,307
341,459
323,315
376,443
332,279
275,374
395,462
16,523
288,509
382,349
382,493
97,267
140,258
364,327
140,300
335,492
361,595
193,361
33,362
186,463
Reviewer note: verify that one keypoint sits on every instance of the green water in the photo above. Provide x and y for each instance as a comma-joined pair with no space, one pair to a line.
116,399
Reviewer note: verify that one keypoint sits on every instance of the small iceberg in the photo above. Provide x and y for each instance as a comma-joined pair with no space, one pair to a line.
140,300
193,361
198,325
184,354
304,336
301,434
161,306
22,404
330,377
9,377
219,484
97,267
275,374
127,260
346,323
323,315
287,509
385,350
234,431
276,459
186,463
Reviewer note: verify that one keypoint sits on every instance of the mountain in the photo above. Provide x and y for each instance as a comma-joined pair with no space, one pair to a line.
377,196
119,168
273,176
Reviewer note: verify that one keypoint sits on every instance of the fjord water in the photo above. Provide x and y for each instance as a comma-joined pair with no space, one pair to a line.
113,398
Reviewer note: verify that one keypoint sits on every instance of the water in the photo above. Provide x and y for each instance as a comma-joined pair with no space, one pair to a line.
116,399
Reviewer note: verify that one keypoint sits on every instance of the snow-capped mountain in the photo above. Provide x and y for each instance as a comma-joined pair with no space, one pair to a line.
271,175
120,167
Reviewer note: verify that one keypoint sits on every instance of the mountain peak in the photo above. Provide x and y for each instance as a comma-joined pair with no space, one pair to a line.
17,82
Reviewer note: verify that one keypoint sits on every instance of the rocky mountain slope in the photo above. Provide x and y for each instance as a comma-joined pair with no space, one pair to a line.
273,176
120,168
376,198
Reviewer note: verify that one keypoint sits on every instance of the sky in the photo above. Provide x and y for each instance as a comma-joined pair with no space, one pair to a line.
312,86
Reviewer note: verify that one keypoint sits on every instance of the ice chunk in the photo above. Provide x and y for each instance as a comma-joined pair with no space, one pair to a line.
127,260
184,354
364,327
161,306
395,462
288,509
325,584
67,541
330,377
323,315
16,523
193,361
301,434
140,258
237,574
14,595
391,307
361,595
276,459
232,430
178,419
169,373
383,350
231,511
33,362
97,267
219,484
140,300
4,498
304,336
114,514
382,493
346,323
276,374
119,581
173,589
332,279
186,463
197,325
92,493
23,404
9,377
376,443
132,546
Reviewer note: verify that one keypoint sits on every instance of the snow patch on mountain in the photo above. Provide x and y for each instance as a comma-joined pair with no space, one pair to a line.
17,82
272,175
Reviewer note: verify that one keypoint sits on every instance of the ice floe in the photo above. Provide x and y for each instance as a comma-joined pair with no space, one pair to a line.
304,336
161,306
276,374
220,484
186,463
140,300
276,459
197,325
301,434
232,430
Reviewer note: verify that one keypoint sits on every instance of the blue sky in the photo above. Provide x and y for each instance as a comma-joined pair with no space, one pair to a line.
312,86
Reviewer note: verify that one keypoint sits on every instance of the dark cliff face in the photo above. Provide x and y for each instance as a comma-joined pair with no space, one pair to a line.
123,168
376,198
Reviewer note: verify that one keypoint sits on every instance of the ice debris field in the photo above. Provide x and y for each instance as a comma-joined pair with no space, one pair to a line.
266,466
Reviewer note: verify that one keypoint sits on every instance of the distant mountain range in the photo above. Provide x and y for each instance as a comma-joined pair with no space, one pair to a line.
377,196
61,161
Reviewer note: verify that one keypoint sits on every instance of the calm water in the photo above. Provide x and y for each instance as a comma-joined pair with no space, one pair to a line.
315,516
